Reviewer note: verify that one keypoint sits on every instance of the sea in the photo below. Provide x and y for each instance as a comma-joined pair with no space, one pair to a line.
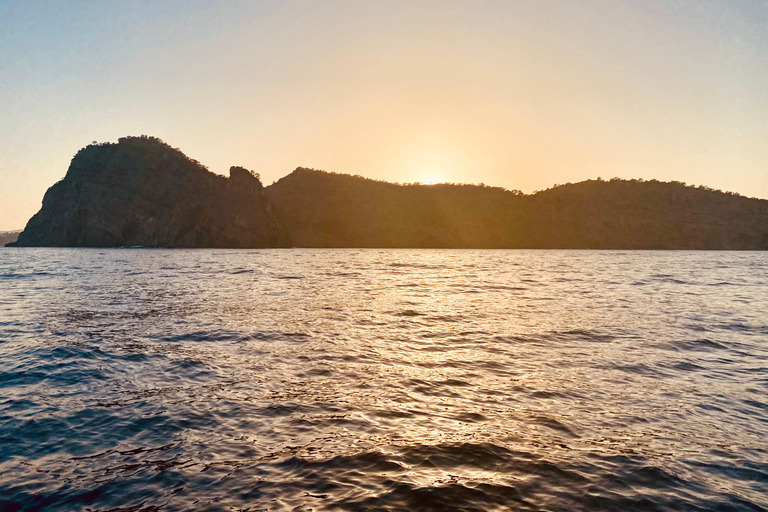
383,380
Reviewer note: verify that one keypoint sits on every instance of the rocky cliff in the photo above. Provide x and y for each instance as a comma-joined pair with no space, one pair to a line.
140,191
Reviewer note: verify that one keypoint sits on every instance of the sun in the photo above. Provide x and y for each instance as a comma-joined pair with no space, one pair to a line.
431,179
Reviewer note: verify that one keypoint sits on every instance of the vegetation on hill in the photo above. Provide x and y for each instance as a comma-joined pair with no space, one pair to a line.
320,209
141,191
636,214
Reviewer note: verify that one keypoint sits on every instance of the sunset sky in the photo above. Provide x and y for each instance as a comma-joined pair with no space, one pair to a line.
517,94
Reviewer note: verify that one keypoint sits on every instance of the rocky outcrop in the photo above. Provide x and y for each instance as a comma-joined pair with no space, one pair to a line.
142,192
8,237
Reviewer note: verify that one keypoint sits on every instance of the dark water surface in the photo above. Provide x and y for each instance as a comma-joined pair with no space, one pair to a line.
383,380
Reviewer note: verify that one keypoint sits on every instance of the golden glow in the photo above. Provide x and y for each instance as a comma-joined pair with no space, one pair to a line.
431,179
514,93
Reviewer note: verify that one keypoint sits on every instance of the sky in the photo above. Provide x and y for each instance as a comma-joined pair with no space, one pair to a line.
521,94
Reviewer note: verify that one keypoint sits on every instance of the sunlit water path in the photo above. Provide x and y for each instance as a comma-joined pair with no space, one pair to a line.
383,380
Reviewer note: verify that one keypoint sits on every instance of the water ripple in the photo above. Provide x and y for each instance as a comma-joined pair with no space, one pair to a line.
382,380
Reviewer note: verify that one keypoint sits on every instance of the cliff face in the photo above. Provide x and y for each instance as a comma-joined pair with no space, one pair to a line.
140,191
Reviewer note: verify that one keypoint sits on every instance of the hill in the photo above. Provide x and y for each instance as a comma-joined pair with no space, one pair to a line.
320,209
140,191
636,214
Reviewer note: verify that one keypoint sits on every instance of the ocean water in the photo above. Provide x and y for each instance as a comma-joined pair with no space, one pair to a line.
376,380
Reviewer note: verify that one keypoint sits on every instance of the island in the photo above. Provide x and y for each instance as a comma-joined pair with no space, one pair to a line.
7,237
142,192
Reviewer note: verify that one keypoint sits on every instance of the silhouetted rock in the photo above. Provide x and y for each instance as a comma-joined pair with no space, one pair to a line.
636,214
320,209
8,237
140,191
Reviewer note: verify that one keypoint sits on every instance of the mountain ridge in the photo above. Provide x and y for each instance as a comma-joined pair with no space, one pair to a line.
140,191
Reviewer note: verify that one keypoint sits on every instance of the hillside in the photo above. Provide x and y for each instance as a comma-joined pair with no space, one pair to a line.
140,191
634,214
320,209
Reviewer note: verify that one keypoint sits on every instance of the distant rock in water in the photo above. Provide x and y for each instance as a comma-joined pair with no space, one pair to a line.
140,191
8,237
